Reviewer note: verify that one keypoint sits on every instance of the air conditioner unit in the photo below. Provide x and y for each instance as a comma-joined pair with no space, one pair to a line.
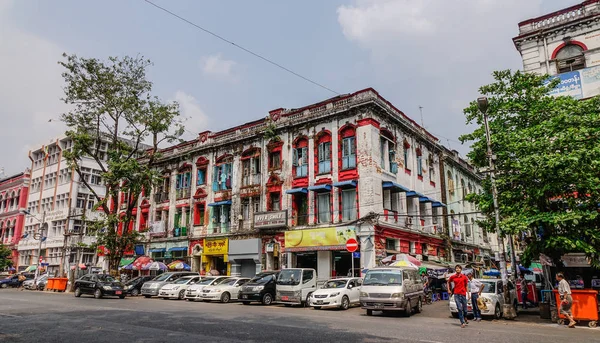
408,221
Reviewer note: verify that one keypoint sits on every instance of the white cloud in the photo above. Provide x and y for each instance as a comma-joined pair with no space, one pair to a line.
30,92
194,118
217,66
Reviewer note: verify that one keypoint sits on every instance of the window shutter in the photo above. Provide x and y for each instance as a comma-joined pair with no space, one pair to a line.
295,158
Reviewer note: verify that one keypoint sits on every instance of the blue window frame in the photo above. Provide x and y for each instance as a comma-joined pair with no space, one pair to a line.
349,153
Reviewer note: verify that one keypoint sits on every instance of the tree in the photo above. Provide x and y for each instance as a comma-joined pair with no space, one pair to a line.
5,255
547,161
112,105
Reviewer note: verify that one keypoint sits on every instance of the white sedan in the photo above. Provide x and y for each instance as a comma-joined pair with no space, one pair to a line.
341,293
492,297
225,291
194,292
176,289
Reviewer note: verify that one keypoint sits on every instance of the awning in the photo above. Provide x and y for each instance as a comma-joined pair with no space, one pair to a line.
394,186
345,184
125,261
438,204
296,190
412,194
320,188
158,250
425,199
220,203
139,250
178,249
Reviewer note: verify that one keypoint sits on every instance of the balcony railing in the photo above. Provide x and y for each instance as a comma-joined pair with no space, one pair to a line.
161,197
183,193
251,180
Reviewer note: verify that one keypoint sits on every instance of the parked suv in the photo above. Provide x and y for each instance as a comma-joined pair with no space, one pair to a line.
134,286
99,285
260,288
392,289
151,288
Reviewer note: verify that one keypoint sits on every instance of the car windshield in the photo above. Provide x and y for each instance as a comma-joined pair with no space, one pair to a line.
489,287
182,280
162,277
261,279
335,284
106,278
289,277
228,282
206,281
383,277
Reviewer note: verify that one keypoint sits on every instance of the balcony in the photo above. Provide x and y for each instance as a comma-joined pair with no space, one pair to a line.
251,180
180,232
161,197
221,228
183,193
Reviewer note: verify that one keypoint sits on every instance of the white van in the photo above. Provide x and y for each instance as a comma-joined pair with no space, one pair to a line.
295,285
392,289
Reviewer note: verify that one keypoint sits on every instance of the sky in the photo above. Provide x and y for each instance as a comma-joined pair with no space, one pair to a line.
429,53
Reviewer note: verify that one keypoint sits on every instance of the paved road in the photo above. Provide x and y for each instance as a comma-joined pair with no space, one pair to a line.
55,317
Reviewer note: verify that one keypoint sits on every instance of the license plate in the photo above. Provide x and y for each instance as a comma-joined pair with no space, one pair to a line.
319,302
244,296
377,306
285,298
118,292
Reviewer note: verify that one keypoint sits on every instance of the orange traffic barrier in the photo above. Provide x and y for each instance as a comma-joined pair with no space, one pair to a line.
585,306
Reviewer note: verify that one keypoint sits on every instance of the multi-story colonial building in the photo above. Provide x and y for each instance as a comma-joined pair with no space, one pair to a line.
58,198
13,201
289,190
564,43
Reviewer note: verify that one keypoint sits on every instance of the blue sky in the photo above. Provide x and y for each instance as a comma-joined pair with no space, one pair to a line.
429,53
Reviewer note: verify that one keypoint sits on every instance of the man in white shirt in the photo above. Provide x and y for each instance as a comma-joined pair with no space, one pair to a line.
475,288
564,290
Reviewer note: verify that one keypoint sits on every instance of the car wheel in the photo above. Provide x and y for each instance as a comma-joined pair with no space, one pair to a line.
369,312
97,293
181,294
267,299
135,292
408,308
497,312
225,297
4,285
77,292
419,307
307,300
345,303
121,296
147,296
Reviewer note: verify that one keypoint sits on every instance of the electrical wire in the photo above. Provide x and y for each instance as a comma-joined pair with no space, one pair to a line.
242,48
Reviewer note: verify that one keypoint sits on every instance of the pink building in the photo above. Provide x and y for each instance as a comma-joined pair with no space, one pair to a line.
13,198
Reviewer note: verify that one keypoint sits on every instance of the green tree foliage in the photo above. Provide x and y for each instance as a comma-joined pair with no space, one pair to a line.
111,103
547,165
5,255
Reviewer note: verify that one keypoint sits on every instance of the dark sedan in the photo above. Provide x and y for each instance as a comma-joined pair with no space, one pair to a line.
99,285
134,286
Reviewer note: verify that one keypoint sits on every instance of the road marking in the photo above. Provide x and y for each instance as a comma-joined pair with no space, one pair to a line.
427,341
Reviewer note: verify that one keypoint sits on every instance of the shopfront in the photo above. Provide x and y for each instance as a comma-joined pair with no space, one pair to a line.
273,241
215,256
321,249
424,247
168,252
244,257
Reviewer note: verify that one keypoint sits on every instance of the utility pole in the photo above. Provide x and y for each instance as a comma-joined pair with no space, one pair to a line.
508,310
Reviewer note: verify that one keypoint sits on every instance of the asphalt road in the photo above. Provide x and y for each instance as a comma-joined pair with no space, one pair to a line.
28,316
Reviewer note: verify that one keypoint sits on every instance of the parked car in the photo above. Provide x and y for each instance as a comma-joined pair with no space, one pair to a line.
295,285
341,293
13,280
392,288
40,284
99,285
260,288
194,292
152,287
493,298
225,291
134,286
176,290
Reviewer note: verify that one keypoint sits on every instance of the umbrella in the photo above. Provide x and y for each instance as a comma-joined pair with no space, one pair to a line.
129,267
11,269
179,265
155,266
141,262
536,267
404,264
30,268
401,257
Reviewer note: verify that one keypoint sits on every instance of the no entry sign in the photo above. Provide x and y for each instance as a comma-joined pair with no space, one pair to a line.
351,245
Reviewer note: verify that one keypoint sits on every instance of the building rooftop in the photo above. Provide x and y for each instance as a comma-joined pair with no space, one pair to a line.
573,13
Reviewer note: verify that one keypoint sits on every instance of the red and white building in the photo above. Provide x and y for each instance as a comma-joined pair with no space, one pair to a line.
13,200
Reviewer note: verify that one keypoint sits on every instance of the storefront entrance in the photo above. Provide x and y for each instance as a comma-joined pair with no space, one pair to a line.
342,264
306,259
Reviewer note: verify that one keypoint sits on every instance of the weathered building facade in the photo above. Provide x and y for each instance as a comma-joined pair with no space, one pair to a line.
13,200
291,189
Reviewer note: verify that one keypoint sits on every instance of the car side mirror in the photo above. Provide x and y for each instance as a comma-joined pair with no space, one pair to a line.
350,286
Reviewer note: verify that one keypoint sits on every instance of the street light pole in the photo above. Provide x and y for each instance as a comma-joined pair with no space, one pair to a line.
508,309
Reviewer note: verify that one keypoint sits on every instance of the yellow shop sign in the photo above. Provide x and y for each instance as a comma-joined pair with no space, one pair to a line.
216,246
319,239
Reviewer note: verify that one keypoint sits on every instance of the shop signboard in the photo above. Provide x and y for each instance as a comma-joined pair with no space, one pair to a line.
271,219
216,246
579,84
334,238
575,260
57,215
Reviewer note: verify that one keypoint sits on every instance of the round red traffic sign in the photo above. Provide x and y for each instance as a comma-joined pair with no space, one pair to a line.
351,245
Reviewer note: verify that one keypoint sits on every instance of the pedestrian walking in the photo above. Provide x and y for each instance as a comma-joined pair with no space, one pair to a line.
566,301
20,279
460,293
524,291
475,288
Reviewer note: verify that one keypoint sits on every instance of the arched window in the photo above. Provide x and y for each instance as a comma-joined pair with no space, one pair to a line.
467,226
251,167
300,158
570,58
201,168
388,151
463,189
348,147
323,153
222,173
419,164
406,146
450,183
